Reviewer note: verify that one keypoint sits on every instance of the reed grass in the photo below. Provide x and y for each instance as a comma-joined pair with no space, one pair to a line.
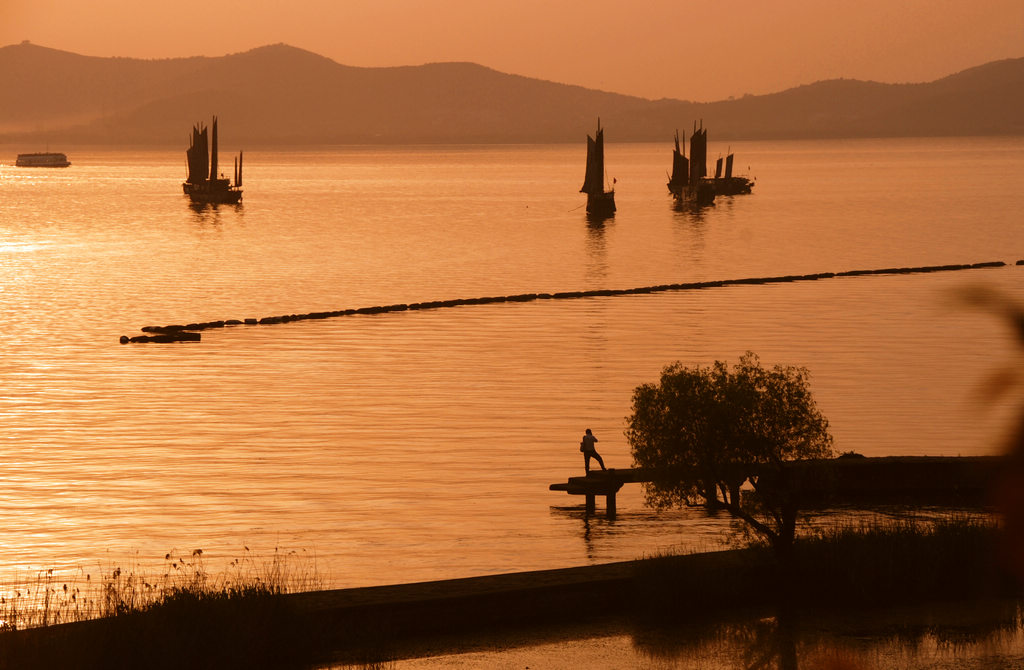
884,562
902,560
184,617
53,598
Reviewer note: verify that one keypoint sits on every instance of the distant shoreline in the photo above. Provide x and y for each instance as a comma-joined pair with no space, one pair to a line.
312,100
14,145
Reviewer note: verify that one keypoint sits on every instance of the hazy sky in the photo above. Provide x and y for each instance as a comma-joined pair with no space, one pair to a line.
707,50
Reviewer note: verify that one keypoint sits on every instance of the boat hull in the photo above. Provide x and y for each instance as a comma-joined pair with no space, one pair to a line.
733,186
700,194
601,204
216,194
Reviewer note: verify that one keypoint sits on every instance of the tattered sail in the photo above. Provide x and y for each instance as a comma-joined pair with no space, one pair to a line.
213,151
593,179
198,156
698,154
680,169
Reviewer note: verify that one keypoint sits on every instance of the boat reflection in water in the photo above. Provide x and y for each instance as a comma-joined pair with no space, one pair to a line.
202,185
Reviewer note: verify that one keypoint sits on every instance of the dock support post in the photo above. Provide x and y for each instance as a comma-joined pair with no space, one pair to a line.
609,504
590,503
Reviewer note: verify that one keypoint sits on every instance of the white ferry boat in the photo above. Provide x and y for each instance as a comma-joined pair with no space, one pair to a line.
42,160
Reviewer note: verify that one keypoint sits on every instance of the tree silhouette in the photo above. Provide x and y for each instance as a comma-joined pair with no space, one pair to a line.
703,432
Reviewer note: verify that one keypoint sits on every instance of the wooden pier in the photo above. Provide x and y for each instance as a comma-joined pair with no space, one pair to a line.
936,480
601,483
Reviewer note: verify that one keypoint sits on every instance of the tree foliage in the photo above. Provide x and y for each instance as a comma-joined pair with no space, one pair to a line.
702,432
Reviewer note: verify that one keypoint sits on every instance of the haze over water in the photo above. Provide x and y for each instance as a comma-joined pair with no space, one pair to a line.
419,445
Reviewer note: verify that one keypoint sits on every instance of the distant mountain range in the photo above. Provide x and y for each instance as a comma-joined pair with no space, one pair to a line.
281,95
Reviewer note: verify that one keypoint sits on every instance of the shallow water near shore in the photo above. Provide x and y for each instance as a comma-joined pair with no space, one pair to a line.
936,636
419,445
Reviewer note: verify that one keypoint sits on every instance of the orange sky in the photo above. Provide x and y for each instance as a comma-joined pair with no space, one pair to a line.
702,51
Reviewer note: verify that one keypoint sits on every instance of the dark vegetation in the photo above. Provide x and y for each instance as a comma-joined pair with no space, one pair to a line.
281,95
882,564
184,617
705,433
895,580
255,625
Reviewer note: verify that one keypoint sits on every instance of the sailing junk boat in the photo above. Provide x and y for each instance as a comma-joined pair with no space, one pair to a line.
689,183
730,184
599,201
202,184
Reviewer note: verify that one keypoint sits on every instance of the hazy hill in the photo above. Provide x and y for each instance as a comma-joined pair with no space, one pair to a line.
283,95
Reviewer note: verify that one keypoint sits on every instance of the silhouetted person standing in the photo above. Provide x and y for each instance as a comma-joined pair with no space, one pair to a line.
587,447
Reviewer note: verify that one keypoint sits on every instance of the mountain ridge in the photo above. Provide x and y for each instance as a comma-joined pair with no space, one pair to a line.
279,94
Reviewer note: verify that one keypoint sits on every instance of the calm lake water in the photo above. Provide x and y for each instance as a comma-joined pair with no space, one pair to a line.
419,445
962,636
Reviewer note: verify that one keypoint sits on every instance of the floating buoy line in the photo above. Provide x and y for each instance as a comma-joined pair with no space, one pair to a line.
190,332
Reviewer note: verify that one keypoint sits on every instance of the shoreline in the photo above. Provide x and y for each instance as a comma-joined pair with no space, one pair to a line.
897,567
366,626
456,615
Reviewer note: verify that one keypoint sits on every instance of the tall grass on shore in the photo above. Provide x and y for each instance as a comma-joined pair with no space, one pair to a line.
869,563
186,617
52,599
903,560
